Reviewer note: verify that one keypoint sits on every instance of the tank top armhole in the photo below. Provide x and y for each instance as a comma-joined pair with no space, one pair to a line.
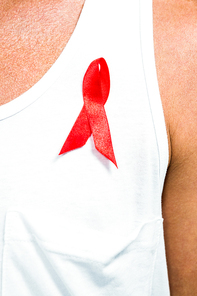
148,59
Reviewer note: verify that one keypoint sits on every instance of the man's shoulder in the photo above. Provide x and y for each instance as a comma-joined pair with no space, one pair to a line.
175,35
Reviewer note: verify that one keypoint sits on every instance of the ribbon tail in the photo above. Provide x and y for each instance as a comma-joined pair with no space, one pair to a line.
100,130
79,133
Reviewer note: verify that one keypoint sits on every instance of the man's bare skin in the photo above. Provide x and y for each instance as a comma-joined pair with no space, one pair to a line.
175,34
32,36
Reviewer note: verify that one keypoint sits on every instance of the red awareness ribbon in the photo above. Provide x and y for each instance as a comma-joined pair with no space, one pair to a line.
92,118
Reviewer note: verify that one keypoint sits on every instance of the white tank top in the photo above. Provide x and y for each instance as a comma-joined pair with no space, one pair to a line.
75,224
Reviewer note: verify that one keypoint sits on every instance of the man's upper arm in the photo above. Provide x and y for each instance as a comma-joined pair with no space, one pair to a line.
180,226
175,33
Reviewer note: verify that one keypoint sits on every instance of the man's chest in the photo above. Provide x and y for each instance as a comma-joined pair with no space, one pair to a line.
32,36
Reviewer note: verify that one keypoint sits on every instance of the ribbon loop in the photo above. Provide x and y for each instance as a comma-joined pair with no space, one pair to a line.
92,118
96,82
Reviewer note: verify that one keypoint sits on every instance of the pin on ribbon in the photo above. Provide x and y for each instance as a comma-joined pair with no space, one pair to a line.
92,118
